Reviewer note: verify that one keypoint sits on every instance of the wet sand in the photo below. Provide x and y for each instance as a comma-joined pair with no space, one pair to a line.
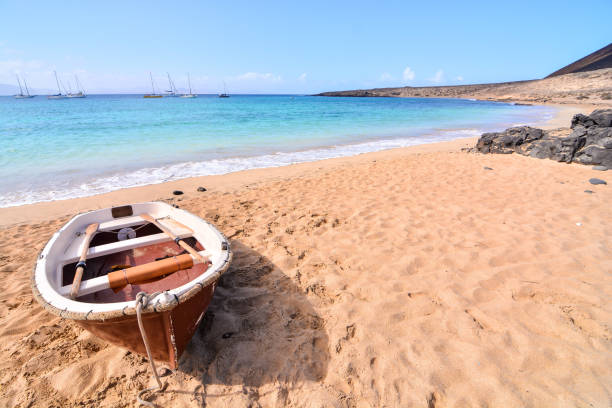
411,277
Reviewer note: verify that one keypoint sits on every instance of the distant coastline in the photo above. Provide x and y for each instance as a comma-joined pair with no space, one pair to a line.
592,87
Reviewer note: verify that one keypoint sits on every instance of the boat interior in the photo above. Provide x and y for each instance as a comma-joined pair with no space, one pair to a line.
123,243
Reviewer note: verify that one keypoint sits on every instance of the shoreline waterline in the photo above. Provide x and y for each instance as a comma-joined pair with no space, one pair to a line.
184,140
228,183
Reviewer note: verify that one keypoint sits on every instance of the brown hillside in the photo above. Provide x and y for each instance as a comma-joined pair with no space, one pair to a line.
598,60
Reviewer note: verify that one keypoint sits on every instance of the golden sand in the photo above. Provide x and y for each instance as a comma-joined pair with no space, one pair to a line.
411,277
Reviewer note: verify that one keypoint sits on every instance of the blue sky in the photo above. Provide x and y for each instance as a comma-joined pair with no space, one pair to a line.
294,47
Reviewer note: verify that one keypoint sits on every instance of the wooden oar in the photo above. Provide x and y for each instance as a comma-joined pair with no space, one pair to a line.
148,272
135,275
176,239
76,283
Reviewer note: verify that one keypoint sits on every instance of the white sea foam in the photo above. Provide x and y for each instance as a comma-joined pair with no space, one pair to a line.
154,175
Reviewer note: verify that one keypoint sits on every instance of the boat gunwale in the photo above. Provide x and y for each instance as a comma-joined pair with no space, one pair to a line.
163,302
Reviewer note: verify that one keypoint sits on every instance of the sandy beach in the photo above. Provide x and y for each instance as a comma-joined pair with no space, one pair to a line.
426,276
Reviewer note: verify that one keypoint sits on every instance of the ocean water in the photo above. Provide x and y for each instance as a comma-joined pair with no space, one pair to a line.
57,149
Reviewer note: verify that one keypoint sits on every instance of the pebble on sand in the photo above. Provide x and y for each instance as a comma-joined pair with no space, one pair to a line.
201,189
177,192
597,181
589,191
487,168
600,168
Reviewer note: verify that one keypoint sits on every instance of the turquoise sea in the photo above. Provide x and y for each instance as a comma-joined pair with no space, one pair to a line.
57,149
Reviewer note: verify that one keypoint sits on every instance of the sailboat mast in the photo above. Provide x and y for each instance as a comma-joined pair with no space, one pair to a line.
57,81
26,87
189,82
19,82
152,86
170,82
63,86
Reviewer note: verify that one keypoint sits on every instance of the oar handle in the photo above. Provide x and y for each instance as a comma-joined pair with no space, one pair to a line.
80,266
76,283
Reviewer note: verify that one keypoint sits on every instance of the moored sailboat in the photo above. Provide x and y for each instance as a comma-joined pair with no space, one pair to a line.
59,94
224,94
190,94
172,91
152,95
81,91
21,95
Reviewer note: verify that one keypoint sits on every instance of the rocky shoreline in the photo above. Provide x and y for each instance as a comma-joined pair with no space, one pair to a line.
589,143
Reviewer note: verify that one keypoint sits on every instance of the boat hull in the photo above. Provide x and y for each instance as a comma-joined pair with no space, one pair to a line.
132,236
168,332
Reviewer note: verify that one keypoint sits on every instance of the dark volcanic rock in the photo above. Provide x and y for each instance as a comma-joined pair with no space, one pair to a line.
582,120
597,181
597,146
177,192
589,143
603,117
506,142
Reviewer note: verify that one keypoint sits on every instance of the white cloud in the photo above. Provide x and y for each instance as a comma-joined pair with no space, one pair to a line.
438,77
385,76
459,78
16,66
256,76
408,74
302,77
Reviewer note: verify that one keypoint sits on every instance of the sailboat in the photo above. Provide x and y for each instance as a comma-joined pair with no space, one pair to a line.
59,95
152,95
190,94
80,93
172,91
21,95
224,94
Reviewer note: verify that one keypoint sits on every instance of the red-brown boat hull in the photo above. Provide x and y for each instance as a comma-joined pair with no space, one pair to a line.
168,332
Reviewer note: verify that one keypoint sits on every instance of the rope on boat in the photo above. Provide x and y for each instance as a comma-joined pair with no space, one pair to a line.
142,300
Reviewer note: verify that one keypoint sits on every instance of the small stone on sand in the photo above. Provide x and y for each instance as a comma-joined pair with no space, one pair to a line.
177,192
201,189
487,168
600,168
589,191
164,372
597,181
